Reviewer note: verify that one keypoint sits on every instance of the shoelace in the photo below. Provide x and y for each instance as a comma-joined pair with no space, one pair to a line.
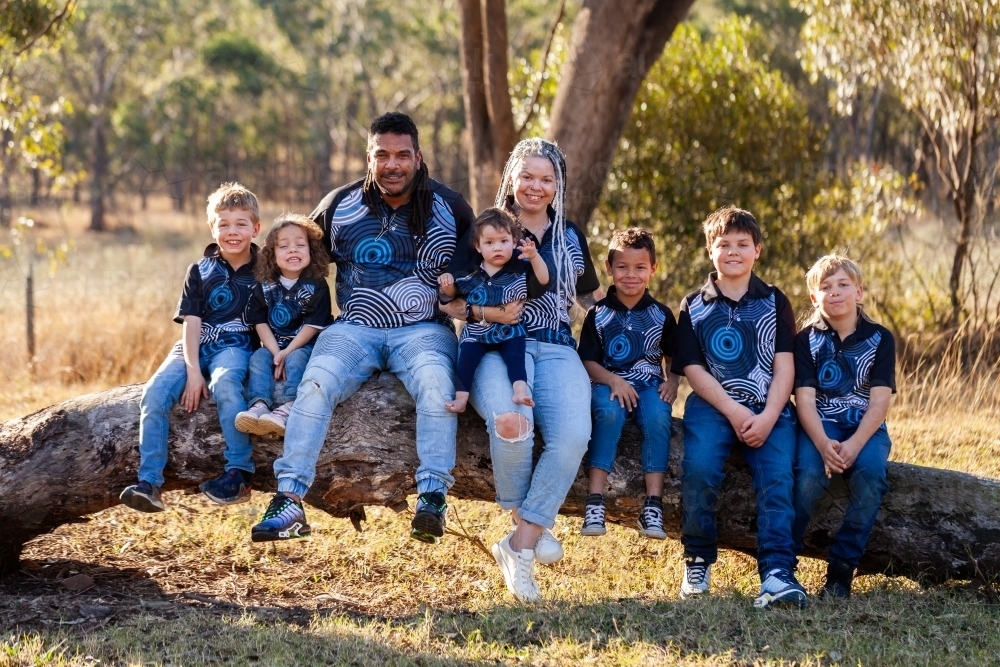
524,572
593,514
784,576
280,510
652,517
282,412
696,573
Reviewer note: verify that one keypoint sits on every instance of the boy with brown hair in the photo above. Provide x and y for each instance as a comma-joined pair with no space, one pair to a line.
845,376
212,357
627,338
735,338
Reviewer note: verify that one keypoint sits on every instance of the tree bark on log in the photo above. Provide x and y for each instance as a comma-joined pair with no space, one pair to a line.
70,460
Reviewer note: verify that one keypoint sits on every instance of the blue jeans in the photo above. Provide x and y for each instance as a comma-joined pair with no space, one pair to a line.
226,372
708,440
558,385
866,484
260,386
652,415
421,355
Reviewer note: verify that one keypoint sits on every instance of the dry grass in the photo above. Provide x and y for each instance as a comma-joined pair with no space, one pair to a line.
187,587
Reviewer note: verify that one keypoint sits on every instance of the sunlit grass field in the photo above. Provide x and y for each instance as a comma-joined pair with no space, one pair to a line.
103,318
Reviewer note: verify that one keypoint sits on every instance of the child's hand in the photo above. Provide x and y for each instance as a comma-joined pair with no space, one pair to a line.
833,462
849,450
738,418
624,393
279,364
528,249
446,280
195,389
668,388
756,429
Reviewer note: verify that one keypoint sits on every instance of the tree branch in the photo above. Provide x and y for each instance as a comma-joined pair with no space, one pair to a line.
544,64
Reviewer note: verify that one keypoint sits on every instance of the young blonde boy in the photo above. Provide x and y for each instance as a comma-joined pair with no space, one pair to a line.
212,356
735,338
845,375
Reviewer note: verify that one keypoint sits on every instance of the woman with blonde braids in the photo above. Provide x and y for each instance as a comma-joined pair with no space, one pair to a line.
533,190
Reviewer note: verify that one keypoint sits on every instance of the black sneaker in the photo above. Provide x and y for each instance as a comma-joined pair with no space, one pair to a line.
651,519
593,516
284,519
229,488
429,519
839,576
143,497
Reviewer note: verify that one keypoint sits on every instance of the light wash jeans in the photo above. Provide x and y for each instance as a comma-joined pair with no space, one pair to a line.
652,416
421,355
708,440
561,391
866,484
226,372
260,386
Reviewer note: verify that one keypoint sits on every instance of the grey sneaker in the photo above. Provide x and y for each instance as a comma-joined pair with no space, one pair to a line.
697,578
518,569
779,587
248,421
273,423
143,497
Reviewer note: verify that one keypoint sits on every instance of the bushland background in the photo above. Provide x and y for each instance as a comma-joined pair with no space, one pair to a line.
861,127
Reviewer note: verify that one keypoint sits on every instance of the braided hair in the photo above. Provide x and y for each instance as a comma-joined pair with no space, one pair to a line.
421,197
536,147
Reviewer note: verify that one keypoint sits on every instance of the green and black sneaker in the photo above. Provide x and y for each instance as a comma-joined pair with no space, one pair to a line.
284,519
429,520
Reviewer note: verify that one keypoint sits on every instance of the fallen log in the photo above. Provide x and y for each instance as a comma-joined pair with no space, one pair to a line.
70,460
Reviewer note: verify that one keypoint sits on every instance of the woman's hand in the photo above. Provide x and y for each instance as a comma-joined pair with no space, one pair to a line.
508,313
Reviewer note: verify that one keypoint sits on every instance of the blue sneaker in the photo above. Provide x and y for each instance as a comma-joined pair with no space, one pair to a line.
284,519
429,519
143,497
779,587
231,487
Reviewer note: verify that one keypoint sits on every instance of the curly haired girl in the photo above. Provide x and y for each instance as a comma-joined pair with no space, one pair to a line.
290,305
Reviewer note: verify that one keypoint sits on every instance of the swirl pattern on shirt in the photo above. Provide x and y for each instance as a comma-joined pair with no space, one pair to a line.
843,375
481,289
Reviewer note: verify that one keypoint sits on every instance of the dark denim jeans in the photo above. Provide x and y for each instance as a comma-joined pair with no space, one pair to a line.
866,484
708,440
652,416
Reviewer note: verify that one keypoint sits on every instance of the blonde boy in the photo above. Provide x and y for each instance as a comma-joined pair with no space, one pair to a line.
212,356
845,375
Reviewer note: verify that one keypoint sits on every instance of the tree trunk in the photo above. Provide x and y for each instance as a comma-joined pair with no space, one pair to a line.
497,89
98,174
73,459
613,45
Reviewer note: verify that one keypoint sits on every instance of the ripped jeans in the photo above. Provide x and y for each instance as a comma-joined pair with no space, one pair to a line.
561,391
421,355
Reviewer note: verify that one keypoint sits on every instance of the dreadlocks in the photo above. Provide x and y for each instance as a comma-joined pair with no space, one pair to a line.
421,198
565,274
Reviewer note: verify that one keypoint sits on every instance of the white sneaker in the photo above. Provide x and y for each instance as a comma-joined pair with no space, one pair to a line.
518,569
248,421
697,578
273,423
548,549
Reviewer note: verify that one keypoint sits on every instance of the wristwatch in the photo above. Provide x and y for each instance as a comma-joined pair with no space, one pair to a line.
469,316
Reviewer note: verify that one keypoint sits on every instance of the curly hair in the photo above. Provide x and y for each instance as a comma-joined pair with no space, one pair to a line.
266,269
635,238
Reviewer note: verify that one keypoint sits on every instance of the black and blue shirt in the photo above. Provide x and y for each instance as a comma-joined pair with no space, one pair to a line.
735,340
843,371
546,318
220,296
510,283
386,277
629,342
287,310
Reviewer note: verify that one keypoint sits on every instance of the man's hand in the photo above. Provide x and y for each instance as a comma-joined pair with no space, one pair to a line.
756,429
668,388
624,393
195,389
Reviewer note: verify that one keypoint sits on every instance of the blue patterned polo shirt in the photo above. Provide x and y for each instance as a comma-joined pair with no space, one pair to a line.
287,310
843,372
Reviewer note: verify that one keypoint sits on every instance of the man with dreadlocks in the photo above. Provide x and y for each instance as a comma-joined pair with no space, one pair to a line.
391,235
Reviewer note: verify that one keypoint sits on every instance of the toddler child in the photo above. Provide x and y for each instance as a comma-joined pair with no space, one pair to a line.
845,375
735,338
215,347
627,338
494,279
290,305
